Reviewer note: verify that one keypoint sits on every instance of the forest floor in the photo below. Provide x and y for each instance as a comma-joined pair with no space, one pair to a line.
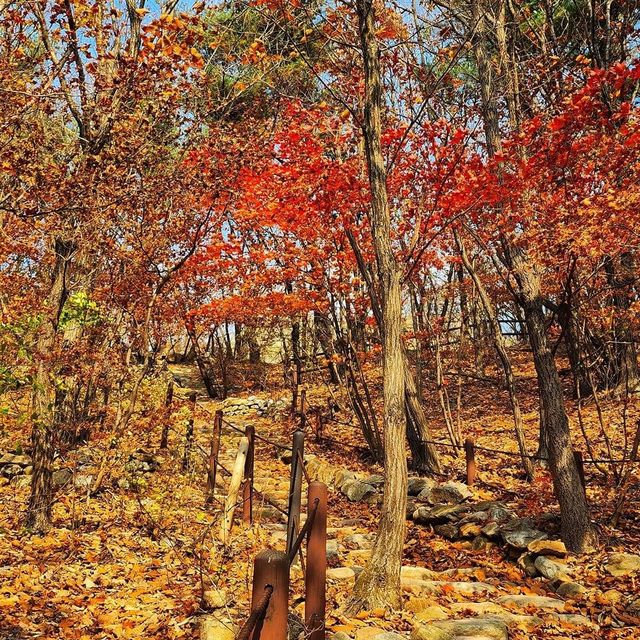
136,559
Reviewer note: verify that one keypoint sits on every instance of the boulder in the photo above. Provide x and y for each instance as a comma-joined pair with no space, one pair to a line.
11,470
448,493
355,490
520,534
531,602
374,480
359,540
341,476
550,569
416,485
448,530
60,477
439,514
463,629
215,598
214,628
527,562
21,460
622,564
544,547
571,590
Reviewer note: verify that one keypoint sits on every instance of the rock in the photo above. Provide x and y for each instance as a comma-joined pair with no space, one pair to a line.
520,536
463,629
571,590
416,585
431,613
359,541
417,485
368,633
417,605
550,569
491,530
449,493
355,490
470,530
527,562
214,628
411,508
23,461
60,477
124,484
375,480
83,481
341,476
20,481
531,602
388,635
548,548
449,531
215,598
339,636
7,458
332,550
438,515
28,470
296,627
622,564
342,573
11,470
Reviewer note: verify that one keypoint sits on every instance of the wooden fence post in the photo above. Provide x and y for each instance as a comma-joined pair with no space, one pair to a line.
247,491
470,457
297,379
189,434
271,568
319,425
234,487
295,487
316,570
303,411
168,400
213,453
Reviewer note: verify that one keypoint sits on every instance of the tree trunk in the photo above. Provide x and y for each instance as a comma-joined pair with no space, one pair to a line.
576,528
44,397
379,583
501,349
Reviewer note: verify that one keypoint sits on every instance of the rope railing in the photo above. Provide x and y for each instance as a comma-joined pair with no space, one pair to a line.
257,615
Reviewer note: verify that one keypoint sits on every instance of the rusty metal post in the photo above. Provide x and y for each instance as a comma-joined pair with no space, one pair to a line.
213,453
271,568
295,487
470,456
168,401
315,583
247,490
186,459
577,456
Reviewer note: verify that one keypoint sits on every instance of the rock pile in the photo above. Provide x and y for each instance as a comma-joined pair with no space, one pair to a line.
13,465
261,406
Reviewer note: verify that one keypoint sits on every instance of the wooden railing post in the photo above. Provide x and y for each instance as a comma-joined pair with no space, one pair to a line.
295,487
189,433
168,401
319,425
247,491
271,568
316,570
213,454
470,457
303,409
232,493
296,385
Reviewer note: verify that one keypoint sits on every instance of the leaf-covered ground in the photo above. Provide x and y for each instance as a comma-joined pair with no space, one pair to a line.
135,559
